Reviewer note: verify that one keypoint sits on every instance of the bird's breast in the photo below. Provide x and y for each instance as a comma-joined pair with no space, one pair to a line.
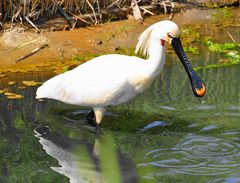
141,83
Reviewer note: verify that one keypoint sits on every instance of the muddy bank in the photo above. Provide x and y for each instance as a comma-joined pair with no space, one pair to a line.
69,48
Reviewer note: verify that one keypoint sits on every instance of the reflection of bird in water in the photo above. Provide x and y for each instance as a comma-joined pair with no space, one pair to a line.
114,79
79,159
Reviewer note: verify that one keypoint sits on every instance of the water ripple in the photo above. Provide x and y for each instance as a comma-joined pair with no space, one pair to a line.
196,155
154,124
207,128
225,180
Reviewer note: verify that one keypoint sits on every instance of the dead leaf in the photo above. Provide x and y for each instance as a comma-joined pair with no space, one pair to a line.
31,83
11,83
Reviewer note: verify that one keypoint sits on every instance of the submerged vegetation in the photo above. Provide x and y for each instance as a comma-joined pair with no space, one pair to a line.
230,52
222,48
222,14
218,39
82,58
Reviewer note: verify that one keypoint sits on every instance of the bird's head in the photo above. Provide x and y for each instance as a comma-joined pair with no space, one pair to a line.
165,31
168,31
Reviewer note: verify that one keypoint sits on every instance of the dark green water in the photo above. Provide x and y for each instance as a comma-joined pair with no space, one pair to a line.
164,135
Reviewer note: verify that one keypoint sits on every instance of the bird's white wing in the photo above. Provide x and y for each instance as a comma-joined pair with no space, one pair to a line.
105,80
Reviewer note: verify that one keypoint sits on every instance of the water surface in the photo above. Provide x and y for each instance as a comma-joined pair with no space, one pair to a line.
163,135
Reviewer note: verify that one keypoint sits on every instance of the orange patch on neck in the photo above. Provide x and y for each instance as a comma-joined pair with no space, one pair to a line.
162,42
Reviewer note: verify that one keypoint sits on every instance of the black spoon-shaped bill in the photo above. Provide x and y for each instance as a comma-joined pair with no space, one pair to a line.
199,89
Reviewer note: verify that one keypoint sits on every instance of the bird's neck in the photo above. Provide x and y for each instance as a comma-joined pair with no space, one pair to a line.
156,58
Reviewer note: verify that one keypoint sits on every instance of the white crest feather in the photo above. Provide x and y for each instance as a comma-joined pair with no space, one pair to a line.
144,42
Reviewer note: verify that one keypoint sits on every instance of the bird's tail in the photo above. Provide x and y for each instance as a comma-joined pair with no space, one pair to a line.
40,93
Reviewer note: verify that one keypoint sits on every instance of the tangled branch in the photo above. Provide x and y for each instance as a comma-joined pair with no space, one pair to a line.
79,11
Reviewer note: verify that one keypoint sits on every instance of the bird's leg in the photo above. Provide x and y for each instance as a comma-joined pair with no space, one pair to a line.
90,115
98,128
99,113
91,118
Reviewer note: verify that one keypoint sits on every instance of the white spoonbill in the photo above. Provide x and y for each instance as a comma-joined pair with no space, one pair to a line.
113,79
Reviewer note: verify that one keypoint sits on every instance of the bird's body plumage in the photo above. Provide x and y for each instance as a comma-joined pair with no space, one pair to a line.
103,81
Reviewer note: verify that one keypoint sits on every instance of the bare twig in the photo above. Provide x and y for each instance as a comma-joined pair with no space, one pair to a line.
172,11
115,2
96,20
60,51
231,37
65,15
164,7
27,43
99,10
146,11
31,23
136,11
32,53
16,15
79,18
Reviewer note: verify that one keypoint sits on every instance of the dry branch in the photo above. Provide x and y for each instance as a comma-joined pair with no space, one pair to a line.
136,11
146,11
124,10
32,53
76,17
31,23
65,15
231,37
94,14
78,12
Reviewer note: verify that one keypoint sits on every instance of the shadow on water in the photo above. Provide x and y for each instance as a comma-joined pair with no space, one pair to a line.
164,135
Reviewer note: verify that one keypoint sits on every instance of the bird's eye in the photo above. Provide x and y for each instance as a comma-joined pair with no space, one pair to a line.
170,35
